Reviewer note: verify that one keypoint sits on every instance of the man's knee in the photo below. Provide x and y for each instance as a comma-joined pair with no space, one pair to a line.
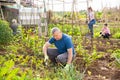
52,52
62,59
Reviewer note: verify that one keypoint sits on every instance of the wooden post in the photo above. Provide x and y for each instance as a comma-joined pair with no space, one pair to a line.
45,16
1,11
39,25
73,15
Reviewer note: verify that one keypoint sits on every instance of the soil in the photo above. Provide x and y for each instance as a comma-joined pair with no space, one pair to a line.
2,51
103,68
100,70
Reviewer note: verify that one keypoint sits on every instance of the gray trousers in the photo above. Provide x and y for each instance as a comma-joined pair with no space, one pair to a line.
55,57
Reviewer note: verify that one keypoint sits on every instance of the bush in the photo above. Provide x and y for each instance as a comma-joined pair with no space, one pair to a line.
97,34
117,35
5,32
116,55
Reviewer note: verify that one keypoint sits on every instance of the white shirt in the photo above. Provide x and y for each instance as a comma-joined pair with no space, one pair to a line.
91,16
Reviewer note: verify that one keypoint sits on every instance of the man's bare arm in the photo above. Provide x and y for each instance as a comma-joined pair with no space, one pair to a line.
46,45
70,56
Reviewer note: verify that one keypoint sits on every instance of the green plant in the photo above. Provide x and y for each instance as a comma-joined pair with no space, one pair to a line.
90,58
97,34
117,35
7,71
99,15
72,74
12,48
2,59
116,55
58,73
5,32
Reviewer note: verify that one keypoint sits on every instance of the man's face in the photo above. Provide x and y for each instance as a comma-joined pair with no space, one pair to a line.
57,35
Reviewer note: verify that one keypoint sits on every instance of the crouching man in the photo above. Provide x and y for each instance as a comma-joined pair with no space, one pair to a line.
64,52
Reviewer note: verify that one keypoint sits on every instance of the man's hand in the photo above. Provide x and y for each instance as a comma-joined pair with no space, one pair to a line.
46,45
46,58
67,67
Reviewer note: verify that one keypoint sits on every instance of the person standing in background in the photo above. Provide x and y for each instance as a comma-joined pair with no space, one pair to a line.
91,20
14,26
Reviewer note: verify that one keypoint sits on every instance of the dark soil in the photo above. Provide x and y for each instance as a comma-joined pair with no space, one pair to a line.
103,68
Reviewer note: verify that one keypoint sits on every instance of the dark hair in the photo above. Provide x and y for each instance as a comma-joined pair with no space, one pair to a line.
90,8
105,24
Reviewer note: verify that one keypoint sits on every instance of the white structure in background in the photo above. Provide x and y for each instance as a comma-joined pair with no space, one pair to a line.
29,16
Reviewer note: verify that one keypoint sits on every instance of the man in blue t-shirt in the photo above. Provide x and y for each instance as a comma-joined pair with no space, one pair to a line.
64,51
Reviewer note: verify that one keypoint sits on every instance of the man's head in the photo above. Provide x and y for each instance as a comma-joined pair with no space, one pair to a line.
57,34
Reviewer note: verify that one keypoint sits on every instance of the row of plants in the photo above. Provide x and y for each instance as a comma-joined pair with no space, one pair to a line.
23,58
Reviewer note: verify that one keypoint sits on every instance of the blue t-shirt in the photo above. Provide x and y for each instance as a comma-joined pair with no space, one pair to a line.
63,44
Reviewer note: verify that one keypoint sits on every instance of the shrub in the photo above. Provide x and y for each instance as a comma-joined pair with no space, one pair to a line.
97,34
116,55
5,32
116,35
